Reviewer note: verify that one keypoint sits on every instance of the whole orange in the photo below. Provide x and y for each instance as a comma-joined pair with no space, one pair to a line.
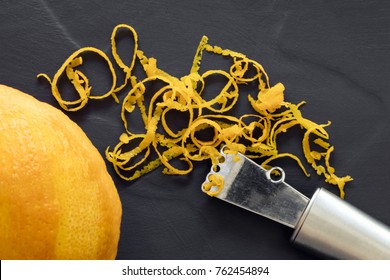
57,199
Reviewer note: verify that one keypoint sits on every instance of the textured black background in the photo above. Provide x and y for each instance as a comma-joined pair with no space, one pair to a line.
333,54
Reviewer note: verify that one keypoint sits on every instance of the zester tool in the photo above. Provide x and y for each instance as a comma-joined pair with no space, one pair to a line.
325,224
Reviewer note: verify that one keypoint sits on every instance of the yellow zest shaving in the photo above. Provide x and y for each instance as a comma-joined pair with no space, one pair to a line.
127,69
210,123
214,185
79,80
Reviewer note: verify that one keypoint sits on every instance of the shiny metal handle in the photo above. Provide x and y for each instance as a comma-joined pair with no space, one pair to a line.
332,227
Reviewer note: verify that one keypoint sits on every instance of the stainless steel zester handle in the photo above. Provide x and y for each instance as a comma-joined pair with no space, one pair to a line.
335,228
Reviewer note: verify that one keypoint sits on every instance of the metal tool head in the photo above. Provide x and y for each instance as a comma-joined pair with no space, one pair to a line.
250,186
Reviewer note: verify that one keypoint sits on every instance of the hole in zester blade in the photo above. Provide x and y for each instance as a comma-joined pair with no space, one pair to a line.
210,189
276,175
216,168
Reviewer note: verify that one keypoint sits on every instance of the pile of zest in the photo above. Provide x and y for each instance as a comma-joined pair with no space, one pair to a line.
253,134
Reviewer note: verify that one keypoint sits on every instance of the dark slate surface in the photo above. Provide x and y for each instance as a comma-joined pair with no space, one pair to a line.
333,54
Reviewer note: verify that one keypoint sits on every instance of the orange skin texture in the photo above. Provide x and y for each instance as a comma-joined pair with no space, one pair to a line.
57,200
